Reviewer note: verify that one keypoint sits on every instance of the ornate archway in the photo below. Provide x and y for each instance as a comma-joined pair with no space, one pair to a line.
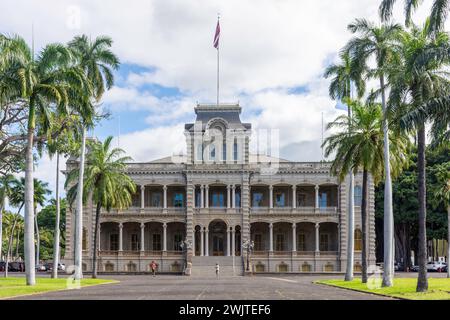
217,238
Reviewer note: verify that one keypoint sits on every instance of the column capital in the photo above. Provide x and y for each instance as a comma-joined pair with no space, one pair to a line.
316,187
317,225
294,186
165,225
206,186
142,225
120,225
202,186
294,225
270,187
233,186
271,225
164,187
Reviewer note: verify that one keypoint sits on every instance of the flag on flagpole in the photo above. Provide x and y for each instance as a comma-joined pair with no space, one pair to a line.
216,36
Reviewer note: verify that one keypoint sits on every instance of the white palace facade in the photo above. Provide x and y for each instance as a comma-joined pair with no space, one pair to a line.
201,209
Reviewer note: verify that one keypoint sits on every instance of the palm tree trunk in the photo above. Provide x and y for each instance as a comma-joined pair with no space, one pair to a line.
8,252
17,243
448,241
95,249
79,213
365,225
388,273
351,229
29,205
56,233
1,227
422,281
38,238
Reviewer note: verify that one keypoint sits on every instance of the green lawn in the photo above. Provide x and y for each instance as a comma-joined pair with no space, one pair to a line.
438,288
11,287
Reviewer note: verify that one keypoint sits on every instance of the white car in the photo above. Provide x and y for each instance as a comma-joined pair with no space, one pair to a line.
436,266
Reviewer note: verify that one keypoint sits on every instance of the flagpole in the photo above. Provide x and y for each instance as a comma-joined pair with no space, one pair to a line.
218,17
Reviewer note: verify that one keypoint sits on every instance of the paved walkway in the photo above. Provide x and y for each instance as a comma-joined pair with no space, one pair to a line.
145,287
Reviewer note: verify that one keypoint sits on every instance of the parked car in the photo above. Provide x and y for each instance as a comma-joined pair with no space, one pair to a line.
16,266
2,266
415,268
435,266
41,267
49,266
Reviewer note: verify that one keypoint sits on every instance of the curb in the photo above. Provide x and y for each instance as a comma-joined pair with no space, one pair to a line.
354,290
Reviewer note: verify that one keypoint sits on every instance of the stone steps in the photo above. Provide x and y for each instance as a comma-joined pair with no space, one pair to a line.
206,266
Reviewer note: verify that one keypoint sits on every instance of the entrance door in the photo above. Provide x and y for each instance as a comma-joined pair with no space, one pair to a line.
218,245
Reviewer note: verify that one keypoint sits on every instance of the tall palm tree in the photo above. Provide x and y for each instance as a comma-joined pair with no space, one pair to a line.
97,61
361,147
379,42
107,181
6,183
442,195
439,12
19,232
44,83
416,80
345,73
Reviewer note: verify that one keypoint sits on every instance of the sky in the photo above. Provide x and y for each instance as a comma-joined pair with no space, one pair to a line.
273,54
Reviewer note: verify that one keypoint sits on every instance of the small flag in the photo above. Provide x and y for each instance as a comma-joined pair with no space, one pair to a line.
216,37
341,106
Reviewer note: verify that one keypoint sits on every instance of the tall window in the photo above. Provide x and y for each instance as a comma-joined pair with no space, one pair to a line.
257,199
279,199
258,242
358,240
198,199
200,152
114,242
156,237
237,200
301,244
178,200
218,199
323,200
212,152
224,151
323,245
235,150
358,195
279,245
156,199
134,242
177,239
301,199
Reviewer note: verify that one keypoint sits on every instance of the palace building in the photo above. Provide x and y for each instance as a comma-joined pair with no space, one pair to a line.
194,211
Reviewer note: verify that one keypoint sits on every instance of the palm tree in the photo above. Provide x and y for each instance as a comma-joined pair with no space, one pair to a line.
96,60
442,195
44,84
379,42
361,147
19,232
6,182
107,181
439,12
416,80
40,193
344,74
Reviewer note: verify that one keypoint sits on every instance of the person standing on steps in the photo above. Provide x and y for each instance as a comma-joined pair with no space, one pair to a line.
217,270
153,267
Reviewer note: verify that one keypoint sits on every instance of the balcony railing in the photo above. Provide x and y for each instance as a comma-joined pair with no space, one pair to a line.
149,210
266,253
297,210
138,252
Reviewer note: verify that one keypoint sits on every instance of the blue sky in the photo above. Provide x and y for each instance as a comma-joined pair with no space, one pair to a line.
272,58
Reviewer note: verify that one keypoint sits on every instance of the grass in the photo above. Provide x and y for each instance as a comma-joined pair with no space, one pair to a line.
404,288
13,287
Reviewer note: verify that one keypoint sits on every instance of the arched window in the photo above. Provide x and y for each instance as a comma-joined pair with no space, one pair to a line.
199,152
212,152
358,240
235,150
358,195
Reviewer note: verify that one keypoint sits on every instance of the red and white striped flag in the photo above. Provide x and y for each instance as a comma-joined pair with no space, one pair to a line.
216,37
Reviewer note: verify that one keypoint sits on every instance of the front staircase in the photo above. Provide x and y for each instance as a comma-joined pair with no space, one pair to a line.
205,267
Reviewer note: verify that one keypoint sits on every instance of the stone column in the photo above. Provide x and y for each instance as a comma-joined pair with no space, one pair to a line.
228,197
271,197
164,236
317,237
294,197
193,242
207,196
233,196
120,236
142,196
206,242
142,236
165,196
202,196
228,242
233,242
271,237
202,242
317,196
294,237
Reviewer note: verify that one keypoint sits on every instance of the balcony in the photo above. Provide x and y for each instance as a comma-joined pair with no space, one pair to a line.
298,210
153,253
148,211
266,254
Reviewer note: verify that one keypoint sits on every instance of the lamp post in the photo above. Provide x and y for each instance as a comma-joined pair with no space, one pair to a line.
185,246
248,245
